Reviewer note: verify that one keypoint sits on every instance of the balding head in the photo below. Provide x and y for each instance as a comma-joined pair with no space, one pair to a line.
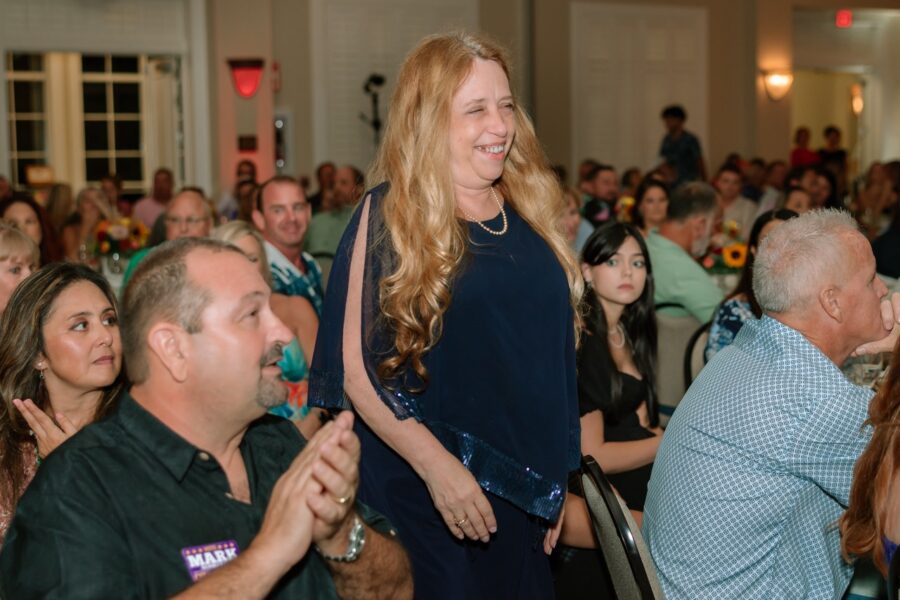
160,290
188,215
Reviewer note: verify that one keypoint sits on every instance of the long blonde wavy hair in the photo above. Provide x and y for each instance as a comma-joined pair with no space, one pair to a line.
420,210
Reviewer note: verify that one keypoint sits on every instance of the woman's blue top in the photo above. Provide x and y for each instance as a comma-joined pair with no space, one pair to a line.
502,393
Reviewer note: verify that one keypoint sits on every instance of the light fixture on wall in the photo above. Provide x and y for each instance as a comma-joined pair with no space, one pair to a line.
856,99
246,74
777,84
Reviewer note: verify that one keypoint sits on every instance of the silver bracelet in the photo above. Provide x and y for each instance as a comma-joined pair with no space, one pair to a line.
357,542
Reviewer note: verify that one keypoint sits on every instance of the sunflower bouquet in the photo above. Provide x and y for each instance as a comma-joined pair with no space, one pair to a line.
727,252
122,236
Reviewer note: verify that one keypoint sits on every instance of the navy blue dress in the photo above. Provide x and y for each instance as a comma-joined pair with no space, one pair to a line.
501,397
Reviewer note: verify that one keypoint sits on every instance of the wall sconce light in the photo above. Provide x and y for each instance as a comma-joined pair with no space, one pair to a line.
856,99
246,74
777,84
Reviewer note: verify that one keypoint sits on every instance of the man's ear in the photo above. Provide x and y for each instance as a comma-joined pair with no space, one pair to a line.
831,304
698,225
170,344
258,219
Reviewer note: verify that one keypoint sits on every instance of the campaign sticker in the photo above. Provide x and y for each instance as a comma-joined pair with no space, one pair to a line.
200,560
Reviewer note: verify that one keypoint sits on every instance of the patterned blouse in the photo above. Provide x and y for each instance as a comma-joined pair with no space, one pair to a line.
727,321
29,451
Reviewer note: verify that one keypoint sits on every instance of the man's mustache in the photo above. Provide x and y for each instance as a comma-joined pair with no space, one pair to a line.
272,355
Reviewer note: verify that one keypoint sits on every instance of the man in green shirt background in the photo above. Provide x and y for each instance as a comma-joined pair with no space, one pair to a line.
682,238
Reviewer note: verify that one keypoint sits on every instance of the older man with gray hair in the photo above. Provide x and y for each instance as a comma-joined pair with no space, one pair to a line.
756,464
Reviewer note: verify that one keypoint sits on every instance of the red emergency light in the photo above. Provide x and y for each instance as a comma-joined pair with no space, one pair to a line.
246,74
843,18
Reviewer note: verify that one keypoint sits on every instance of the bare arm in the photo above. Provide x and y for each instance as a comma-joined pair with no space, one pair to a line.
456,494
615,457
299,315
71,240
382,571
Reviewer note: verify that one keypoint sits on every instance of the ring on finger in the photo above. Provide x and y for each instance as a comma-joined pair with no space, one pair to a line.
343,499
461,522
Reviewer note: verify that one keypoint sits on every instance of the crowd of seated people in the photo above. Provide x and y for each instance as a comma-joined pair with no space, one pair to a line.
741,496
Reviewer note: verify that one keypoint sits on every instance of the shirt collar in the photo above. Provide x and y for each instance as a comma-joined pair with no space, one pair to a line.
280,261
172,450
793,343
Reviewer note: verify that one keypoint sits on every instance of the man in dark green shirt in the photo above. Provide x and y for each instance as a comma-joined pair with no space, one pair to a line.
189,489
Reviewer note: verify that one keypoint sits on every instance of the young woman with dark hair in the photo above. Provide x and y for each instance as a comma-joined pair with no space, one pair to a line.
617,360
741,304
616,393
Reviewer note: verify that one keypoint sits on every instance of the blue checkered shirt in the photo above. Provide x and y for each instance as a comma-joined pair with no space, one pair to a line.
754,471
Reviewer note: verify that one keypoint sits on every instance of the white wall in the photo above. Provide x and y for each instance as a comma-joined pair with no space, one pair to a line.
627,63
351,39
870,48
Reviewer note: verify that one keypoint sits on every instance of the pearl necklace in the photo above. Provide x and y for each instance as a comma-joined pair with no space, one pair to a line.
482,225
621,331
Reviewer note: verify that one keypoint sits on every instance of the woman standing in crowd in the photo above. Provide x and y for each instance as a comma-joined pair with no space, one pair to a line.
31,218
298,314
871,525
79,230
60,369
450,325
651,200
741,305
616,381
59,206
18,258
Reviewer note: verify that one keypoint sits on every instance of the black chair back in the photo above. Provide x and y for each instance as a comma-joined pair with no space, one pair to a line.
630,567
893,579
694,354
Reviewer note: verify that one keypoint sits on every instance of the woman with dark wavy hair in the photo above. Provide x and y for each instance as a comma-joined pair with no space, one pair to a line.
651,200
871,525
616,389
617,360
60,369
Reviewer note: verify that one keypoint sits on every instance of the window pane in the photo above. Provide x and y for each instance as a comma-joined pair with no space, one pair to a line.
129,169
93,63
95,168
28,96
94,97
126,97
29,136
23,163
96,135
125,64
128,135
27,62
